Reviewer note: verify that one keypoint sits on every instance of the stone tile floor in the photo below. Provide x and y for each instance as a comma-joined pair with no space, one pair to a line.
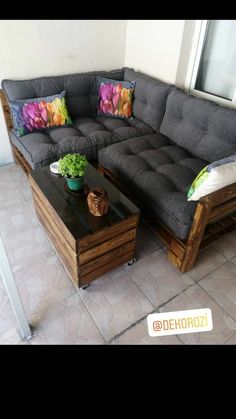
113,309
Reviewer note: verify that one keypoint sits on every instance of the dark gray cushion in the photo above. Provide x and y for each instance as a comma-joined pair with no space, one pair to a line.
34,147
121,129
86,136
150,97
39,150
81,89
159,174
204,128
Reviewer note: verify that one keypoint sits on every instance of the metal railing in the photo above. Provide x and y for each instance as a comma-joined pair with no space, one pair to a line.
12,291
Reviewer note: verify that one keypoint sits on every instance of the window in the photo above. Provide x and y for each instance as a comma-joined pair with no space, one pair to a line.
214,72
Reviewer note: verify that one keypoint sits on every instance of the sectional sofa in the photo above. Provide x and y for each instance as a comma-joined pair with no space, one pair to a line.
89,132
153,157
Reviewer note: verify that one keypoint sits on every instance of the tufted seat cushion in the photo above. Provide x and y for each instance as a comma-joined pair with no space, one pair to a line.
86,136
159,173
119,129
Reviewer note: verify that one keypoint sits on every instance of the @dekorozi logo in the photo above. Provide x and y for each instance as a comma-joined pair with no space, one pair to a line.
177,322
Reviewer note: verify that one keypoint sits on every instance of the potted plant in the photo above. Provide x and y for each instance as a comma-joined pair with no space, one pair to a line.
73,167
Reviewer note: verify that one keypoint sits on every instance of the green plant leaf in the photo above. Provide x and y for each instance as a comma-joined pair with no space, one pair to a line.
73,165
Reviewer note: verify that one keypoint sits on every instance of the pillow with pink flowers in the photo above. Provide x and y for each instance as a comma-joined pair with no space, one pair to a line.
31,115
115,98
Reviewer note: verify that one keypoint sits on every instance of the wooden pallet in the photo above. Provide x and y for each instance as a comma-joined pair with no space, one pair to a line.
18,157
215,216
90,256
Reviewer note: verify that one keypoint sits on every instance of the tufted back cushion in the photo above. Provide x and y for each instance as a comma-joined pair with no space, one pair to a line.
81,89
205,129
149,98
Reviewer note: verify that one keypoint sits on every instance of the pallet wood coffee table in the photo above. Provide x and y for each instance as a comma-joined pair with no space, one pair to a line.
88,246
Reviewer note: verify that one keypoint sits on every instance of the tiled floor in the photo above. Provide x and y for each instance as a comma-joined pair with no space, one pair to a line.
114,308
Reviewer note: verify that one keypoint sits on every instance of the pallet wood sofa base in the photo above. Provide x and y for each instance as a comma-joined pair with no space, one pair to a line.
19,159
153,158
213,218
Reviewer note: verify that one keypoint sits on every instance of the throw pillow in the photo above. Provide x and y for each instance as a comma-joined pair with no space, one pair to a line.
115,98
30,115
213,177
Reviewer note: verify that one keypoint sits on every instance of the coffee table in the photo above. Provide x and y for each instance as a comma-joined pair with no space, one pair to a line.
88,246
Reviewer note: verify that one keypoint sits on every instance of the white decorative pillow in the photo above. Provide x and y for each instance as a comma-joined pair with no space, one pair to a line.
213,177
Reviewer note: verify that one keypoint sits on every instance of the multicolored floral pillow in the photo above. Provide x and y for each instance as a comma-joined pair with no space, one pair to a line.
115,98
30,115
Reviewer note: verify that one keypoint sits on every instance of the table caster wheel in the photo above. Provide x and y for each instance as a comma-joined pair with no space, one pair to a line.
131,262
85,286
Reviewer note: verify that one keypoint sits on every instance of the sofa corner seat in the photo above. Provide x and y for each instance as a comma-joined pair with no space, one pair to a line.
160,168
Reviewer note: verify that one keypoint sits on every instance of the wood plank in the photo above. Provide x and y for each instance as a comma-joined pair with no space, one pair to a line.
107,233
53,226
105,268
210,238
9,125
177,249
174,259
56,241
18,157
6,110
107,257
15,156
21,160
220,196
195,236
107,246
217,228
223,210
70,239
73,275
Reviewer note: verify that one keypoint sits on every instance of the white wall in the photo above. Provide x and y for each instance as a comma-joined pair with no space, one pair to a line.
153,47
5,148
34,48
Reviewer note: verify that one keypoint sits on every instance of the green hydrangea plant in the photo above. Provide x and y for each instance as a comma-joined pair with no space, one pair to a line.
73,165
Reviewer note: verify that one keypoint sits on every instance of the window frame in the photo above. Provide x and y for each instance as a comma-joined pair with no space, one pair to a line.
198,54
